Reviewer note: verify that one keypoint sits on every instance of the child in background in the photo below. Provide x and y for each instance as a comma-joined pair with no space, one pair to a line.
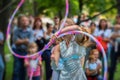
93,66
32,62
91,71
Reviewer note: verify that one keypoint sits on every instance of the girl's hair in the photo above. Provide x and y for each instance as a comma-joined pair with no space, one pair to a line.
100,27
90,57
34,25
93,50
31,45
81,39
48,25
70,22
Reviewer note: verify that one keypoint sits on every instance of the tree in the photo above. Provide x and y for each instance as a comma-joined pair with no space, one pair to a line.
118,7
4,16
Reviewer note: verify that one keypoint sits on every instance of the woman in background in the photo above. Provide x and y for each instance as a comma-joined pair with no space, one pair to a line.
39,33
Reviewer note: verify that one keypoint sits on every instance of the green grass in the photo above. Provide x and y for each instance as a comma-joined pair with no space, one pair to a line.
9,68
117,75
9,65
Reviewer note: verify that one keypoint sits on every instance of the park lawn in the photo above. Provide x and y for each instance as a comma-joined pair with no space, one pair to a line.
9,67
9,64
117,74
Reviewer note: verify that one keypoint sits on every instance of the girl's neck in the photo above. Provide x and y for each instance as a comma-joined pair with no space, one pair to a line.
67,43
37,29
102,28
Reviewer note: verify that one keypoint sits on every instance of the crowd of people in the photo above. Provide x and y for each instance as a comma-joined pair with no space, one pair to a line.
72,57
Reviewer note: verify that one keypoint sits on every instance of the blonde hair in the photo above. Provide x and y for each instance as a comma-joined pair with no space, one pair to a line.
32,45
82,39
93,50
70,22
91,57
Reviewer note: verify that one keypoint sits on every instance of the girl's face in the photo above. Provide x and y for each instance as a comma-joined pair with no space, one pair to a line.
103,24
93,60
38,24
67,37
96,54
32,50
56,20
50,29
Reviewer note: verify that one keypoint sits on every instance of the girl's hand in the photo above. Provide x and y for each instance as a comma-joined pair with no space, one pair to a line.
54,37
98,67
39,38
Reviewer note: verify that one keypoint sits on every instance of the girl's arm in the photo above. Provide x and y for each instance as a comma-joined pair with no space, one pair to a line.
82,60
41,70
40,61
26,62
88,72
99,67
56,54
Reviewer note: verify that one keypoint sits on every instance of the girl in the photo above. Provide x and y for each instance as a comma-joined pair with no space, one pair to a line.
91,70
93,74
69,54
32,62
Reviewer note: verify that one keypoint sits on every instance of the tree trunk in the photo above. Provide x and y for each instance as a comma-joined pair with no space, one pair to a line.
80,10
60,14
118,7
4,16
35,8
80,6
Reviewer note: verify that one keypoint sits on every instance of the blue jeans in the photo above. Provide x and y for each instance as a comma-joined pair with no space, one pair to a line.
19,71
36,78
1,68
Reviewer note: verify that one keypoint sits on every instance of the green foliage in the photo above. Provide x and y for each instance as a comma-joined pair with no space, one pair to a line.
57,7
